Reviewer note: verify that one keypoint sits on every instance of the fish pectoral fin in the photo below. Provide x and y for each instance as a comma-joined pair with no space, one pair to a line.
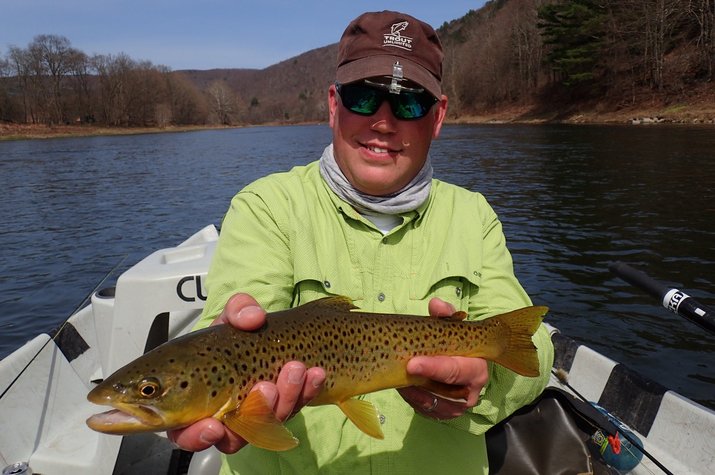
364,415
254,421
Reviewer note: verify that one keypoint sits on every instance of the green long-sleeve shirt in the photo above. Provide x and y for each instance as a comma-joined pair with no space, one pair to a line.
287,239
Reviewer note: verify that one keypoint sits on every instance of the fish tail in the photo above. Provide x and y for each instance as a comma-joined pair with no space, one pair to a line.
520,353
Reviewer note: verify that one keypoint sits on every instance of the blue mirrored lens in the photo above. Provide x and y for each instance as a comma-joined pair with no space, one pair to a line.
366,100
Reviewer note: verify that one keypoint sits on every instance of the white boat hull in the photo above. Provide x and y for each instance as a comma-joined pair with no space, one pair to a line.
45,407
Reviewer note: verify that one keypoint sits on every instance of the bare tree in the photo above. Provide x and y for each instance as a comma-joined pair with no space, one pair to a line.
186,102
53,56
527,46
222,102
703,14
5,103
108,70
21,65
79,74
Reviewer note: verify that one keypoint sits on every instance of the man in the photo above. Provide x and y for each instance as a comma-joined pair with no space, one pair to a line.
369,221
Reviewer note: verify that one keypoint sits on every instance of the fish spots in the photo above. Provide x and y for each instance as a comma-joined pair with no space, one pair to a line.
360,352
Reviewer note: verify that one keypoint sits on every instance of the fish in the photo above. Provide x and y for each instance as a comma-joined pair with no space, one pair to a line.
210,372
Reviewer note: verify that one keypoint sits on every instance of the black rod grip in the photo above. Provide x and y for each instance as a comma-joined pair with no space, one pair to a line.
671,298
639,279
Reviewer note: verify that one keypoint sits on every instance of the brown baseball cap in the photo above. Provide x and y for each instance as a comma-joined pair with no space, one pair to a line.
373,42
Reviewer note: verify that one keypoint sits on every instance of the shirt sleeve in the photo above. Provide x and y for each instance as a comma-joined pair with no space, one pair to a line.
499,292
252,256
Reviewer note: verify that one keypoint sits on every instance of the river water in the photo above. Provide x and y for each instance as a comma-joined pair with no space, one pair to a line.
572,199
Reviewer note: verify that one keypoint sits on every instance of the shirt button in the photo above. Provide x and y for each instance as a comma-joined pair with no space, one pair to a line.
326,284
382,418
458,291
381,297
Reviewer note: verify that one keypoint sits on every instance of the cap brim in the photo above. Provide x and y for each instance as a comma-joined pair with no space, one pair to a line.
381,65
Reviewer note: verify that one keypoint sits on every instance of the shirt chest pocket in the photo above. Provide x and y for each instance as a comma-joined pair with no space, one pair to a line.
456,287
312,283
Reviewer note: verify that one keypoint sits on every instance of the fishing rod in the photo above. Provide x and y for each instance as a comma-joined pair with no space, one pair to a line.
671,298
76,309
562,376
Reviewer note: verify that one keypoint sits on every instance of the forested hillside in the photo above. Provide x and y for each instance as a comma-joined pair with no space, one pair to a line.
552,59
510,60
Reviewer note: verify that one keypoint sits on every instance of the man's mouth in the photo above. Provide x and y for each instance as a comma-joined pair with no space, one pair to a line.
378,149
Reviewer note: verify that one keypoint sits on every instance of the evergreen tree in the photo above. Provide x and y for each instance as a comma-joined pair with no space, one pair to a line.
574,31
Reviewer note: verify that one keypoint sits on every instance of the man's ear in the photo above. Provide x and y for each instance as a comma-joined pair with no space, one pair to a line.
440,115
332,103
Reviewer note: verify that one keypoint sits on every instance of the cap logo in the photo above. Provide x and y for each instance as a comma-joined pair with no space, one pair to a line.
395,38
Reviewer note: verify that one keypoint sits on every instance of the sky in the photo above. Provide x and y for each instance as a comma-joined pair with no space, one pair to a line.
183,34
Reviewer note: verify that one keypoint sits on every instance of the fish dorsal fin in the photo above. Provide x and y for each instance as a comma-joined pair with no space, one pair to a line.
329,305
456,316
254,421
364,415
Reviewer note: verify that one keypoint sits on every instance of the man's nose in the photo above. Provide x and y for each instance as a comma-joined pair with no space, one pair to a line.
384,121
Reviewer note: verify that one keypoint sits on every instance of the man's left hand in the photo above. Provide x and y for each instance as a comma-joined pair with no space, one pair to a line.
470,374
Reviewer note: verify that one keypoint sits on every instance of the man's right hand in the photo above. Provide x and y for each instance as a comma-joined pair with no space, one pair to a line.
295,387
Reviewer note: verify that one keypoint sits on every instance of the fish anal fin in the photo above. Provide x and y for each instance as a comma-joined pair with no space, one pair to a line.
446,391
254,421
364,415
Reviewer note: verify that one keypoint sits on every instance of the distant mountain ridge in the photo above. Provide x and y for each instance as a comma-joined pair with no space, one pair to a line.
500,62
511,60
289,91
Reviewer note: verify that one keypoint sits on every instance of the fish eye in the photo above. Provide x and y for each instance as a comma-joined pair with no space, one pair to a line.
149,387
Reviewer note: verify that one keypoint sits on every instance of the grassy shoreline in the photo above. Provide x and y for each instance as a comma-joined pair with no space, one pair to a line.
39,131
672,115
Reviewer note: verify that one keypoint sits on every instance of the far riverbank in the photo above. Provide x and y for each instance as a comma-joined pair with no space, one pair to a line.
41,131
682,114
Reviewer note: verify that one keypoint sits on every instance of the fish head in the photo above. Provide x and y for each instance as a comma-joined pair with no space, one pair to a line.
154,393
136,406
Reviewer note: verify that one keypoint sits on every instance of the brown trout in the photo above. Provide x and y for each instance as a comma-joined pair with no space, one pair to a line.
211,371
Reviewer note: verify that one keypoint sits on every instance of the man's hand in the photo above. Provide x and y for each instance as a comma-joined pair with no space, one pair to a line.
470,374
295,387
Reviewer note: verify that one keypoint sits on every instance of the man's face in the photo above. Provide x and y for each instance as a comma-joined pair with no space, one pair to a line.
380,154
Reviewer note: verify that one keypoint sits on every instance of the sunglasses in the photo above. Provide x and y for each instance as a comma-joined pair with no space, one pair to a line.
364,99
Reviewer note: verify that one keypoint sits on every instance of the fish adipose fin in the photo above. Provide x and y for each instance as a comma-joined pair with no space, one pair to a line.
254,421
519,353
364,415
